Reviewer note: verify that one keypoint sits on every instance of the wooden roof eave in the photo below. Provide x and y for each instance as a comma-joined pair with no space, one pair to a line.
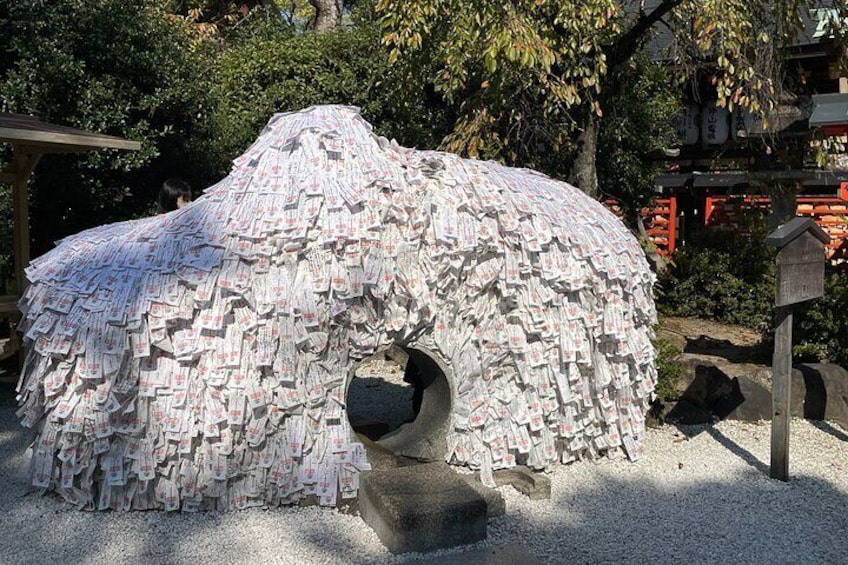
30,140
55,142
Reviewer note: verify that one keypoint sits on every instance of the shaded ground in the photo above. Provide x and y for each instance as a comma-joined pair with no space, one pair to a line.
378,397
690,329
700,495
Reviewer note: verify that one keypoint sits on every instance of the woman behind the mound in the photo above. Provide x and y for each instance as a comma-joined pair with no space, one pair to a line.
175,193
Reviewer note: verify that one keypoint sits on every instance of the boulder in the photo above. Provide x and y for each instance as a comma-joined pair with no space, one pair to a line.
826,396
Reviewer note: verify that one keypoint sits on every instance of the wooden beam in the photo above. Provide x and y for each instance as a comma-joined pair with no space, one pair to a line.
771,176
46,147
24,160
8,303
55,139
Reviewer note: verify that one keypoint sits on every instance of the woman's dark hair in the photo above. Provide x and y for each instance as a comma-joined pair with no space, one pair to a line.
170,192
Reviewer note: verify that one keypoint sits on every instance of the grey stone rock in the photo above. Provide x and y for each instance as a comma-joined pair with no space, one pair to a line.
756,403
819,392
704,384
536,486
421,508
686,413
707,392
826,395
495,503
757,399
500,555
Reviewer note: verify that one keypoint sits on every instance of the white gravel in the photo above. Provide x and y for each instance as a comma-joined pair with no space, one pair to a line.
702,499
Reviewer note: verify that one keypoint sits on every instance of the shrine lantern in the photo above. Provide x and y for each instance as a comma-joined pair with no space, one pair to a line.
741,122
686,124
714,124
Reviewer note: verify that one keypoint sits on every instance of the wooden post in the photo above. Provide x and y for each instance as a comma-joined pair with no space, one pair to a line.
20,207
708,209
800,277
672,224
25,161
781,391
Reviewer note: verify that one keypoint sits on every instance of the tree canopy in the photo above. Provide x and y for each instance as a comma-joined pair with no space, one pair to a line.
120,67
194,97
532,75
268,68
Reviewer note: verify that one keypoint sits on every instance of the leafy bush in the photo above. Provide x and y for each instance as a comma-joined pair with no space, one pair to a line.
806,352
120,67
725,277
670,369
731,278
821,328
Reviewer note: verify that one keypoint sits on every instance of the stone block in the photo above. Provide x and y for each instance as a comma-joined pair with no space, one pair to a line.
687,414
703,384
757,399
495,504
421,508
536,486
826,396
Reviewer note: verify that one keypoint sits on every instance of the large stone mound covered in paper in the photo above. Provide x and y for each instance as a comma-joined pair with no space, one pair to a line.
199,359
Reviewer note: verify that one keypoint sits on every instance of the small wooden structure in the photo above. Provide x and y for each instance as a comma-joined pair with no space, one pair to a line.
30,139
800,277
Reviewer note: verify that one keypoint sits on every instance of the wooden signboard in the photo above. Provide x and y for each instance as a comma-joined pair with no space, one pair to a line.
800,277
800,270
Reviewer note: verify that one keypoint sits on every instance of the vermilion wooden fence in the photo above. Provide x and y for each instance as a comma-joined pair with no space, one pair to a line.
730,211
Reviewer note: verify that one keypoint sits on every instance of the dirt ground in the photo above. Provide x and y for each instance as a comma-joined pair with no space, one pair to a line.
682,330
736,350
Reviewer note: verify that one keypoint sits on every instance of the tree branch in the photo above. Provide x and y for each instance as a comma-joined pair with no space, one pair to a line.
628,43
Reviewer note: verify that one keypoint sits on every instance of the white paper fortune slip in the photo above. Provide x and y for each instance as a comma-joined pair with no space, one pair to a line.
198,359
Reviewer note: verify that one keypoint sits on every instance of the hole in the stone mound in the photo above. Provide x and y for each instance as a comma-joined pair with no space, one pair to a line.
379,400
405,407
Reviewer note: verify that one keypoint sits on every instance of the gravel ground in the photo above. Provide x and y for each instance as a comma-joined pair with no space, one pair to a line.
700,495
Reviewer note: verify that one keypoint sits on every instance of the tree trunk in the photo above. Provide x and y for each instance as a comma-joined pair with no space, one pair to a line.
584,174
783,204
328,15
659,264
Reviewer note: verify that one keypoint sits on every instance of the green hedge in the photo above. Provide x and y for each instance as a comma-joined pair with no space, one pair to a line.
723,276
821,326
731,278
670,369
